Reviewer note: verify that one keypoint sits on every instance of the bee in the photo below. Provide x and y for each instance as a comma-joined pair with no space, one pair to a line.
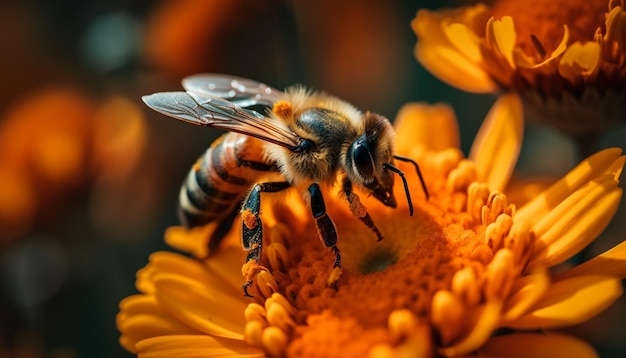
306,138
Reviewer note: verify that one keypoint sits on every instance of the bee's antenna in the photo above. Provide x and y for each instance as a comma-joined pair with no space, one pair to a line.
417,169
406,185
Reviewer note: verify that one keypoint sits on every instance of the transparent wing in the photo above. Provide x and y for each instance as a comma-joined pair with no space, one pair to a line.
240,91
211,111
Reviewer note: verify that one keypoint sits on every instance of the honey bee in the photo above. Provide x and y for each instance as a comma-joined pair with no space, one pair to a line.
307,138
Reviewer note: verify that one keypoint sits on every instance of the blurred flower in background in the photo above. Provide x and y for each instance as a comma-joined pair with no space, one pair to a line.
564,58
54,143
62,152
283,43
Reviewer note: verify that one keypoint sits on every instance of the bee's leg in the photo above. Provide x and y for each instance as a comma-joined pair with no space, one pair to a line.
252,228
358,209
417,170
325,229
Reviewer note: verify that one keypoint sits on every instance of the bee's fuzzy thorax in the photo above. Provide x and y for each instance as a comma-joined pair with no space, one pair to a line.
302,98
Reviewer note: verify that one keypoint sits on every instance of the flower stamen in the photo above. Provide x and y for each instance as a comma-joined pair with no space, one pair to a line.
538,46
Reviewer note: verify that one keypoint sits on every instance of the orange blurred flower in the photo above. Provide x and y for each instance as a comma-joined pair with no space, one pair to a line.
56,141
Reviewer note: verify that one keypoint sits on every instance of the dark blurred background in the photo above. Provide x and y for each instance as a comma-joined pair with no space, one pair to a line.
89,177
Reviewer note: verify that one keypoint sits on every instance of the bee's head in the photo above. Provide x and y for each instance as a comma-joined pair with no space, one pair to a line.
369,156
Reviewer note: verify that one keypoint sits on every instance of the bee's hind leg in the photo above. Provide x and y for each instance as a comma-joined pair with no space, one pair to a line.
325,229
252,228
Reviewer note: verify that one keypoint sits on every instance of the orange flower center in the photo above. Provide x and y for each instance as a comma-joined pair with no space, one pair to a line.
459,229
416,258
539,23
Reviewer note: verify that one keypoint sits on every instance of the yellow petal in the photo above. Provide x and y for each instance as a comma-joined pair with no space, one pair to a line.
497,144
464,40
432,126
536,345
226,264
185,346
169,262
448,313
501,36
611,263
575,223
579,61
144,282
140,304
141,317
563,214
487,318
439,56
139,327
199,306
128,344
453,68
527,291
194,240
571,301
222,270
616,27
605,161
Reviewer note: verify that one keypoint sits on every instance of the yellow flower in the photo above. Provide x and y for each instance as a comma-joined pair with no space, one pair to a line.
469,273
565,58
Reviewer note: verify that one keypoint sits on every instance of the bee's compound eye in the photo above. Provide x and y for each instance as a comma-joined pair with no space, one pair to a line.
363,160
307,144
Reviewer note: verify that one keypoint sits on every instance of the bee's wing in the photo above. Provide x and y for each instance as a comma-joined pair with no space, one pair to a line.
211,111
240,91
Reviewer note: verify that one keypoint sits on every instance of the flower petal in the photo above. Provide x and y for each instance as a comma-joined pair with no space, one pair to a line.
605,161
571,301
487,318
536,345
501,36
464,40
616,29
452,68
195,240
139,327
611,262
575,222
141,317
527,290
497,144
439,56
185,346
223,269
579,61
431,126
198,305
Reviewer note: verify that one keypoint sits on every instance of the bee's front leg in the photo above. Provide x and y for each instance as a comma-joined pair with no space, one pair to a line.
358,209
325,229
252,228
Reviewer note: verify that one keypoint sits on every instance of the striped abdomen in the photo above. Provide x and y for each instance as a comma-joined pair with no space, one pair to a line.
216,184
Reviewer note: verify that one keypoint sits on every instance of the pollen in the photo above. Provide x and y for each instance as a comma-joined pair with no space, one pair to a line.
283,109
249,219
356,207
